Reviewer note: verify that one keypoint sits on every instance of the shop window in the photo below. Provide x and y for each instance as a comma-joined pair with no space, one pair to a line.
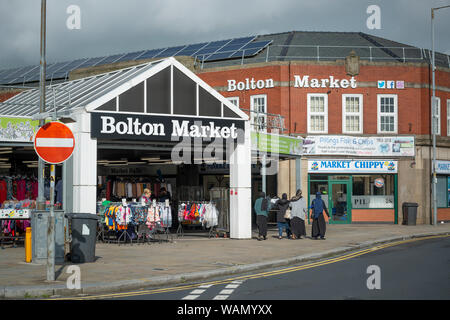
258,108
158,92
318,186
234,100
448,117
352,111
387,113
208,104
317,113
185,94
442,193
111,105
132,100
373,192
437,117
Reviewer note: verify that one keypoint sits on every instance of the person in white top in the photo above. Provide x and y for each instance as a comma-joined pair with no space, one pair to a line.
298,215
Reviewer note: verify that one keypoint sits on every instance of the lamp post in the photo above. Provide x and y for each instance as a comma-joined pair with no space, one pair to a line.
433,116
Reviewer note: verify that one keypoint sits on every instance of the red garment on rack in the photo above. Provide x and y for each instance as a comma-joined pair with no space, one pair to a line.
3,191
34,190
21,190
108,190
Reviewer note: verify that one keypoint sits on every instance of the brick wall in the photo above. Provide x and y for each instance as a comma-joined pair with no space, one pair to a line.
291,102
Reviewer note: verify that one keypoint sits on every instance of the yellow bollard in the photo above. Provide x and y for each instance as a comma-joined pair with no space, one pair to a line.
28,245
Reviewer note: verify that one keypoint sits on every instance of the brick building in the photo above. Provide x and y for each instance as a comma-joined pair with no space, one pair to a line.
361,103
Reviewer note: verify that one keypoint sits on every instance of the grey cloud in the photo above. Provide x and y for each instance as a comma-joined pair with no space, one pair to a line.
109,27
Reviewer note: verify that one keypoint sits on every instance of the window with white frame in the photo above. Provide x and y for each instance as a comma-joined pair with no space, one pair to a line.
234,100
352,113
437,116
448,117
317,113
258,108
387,113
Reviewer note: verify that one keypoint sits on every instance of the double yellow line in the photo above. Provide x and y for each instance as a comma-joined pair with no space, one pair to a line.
257,275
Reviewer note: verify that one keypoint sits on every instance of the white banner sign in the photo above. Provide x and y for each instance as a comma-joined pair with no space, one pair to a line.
15,213
442,167
359,146
352,166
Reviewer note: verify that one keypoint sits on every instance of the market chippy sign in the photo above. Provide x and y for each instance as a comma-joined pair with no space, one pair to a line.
352,166
162,128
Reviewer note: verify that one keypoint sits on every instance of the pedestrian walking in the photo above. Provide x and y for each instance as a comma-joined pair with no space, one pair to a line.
281,206
298,214
318,225
261,208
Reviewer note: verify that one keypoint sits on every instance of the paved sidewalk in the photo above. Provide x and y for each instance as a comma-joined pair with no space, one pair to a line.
193,257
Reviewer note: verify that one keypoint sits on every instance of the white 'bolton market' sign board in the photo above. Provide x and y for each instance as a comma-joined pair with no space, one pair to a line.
359,146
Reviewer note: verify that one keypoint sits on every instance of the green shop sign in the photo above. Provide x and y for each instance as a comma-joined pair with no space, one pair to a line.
266,142
17,129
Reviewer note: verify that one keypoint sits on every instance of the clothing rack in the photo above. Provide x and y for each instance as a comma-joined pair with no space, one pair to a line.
180,229
138,220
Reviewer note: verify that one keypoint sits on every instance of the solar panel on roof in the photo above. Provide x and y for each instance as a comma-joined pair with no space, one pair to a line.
89,62
131,56
218,56
111,59
17,72
169,52
72,65
258,44
247,50
149,54
191,49
242,40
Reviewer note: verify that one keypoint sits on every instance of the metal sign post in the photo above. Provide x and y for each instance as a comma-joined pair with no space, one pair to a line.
54,143
51,229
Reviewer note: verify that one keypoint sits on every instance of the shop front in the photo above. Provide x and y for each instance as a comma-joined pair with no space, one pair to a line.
151,126
355,191
443,190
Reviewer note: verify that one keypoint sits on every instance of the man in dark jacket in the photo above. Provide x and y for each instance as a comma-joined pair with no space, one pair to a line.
318,226
281,206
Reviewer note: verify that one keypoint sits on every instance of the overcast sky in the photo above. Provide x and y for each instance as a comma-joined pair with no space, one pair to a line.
119,26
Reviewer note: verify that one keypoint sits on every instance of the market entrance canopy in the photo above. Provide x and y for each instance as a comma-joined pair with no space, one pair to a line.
159,88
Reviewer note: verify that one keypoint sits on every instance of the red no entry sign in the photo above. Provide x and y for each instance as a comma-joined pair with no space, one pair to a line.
54,142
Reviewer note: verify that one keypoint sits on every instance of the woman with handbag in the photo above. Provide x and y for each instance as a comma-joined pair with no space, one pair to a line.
282,205
298,213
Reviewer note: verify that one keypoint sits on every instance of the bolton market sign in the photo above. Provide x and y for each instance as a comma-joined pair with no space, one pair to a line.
118,126
299,82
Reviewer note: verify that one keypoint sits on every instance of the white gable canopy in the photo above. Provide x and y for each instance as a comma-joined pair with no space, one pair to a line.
143,89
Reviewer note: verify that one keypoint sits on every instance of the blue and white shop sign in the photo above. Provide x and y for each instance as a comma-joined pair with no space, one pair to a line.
442,167
352,166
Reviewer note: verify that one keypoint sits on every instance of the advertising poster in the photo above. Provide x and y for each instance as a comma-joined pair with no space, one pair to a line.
17,129
359,146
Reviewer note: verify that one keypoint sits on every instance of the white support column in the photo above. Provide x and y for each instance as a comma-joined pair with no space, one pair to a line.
240,189
84,166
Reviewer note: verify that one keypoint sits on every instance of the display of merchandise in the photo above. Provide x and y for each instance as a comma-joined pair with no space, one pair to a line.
112,188
118,216
18,188
204,213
